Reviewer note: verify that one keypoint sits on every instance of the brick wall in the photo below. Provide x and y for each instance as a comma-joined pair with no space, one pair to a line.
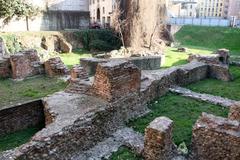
25,63
216,138
21,116
116,79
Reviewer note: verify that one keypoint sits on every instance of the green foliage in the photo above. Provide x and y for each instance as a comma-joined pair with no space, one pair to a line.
12,43
18,8
18,138
91,38
100,45
210,37
125,154
73,58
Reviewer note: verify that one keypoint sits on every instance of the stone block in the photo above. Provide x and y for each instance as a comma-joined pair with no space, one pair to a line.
55,67
116,79
216,138
234,113
158,143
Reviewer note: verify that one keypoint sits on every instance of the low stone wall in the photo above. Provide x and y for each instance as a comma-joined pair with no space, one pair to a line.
216,138
75,123
21,116
220,57
159,82
143,63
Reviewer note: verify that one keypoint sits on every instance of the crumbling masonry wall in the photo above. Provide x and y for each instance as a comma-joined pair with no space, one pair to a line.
216,138
24,64
21,116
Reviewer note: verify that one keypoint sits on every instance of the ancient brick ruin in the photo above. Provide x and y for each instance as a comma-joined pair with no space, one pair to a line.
216,138
55,67
92,111
24,64
27,63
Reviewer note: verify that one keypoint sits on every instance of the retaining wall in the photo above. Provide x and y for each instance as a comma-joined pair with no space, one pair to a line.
21,116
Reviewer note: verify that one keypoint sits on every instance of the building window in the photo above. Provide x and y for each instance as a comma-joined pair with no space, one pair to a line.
108,19
103,10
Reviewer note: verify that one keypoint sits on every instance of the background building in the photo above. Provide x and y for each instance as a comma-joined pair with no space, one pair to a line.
183,8
213,8
101,11
56,15
234,8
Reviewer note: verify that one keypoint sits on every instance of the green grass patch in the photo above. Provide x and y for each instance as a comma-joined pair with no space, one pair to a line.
183,111
71,59
12,92
125,154
16,139
219,88
175,58
210,37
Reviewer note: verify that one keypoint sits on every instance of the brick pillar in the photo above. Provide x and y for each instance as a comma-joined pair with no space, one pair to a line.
116,79
158,143
234,113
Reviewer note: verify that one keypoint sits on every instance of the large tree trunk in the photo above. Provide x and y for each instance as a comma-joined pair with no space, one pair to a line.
146,22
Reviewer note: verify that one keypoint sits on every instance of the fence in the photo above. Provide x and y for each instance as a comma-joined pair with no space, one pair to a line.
202,21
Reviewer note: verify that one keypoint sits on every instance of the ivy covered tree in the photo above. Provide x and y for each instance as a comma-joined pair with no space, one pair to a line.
10,9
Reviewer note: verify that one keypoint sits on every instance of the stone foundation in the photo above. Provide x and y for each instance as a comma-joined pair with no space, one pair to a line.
25,63
55,67
234,113
216,138
221,57
158,143
22,116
